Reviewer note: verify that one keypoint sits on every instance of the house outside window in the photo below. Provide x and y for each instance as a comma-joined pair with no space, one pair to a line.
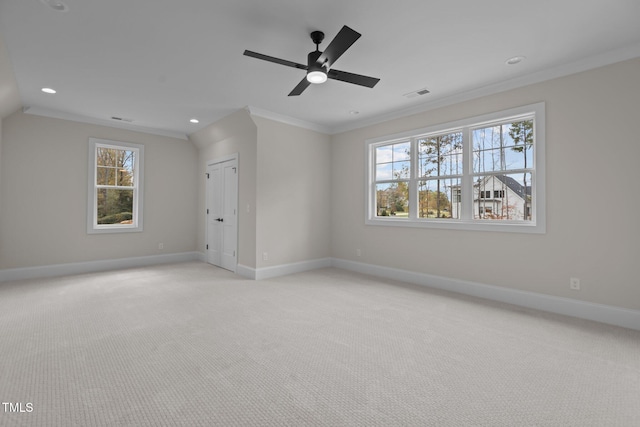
481,173
115,186
503,165
456,198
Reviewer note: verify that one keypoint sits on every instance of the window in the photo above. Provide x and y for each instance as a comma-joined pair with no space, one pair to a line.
439,168
392,179
115,186
502,162
456,198
482,173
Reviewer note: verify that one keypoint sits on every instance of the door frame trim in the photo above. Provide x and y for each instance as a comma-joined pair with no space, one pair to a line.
223,159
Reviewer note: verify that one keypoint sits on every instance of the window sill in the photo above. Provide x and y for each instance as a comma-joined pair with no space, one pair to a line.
477,225
115,229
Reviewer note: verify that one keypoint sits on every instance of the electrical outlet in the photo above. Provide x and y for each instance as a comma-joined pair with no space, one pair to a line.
574,283
265,256
160,245
358,252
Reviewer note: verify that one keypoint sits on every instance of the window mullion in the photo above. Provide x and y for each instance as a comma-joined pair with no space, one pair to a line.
466,208
117,187
413,181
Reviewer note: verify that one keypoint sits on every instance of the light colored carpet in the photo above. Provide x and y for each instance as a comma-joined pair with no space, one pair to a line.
189,344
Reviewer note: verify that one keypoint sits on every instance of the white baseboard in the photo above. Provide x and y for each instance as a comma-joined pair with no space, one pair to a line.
201,256
94,266
282,270
244,271
585,310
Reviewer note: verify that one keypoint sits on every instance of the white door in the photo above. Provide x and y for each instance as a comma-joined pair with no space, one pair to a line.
222,207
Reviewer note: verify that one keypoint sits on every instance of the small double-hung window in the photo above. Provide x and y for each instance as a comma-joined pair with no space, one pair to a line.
481,173
115,186
439,174
393,162
503,170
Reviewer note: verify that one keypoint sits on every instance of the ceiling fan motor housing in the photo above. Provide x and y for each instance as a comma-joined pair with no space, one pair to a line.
312,59
316,73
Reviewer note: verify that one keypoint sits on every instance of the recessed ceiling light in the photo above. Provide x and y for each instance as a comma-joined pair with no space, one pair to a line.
194,121
514,60
48,90
56,5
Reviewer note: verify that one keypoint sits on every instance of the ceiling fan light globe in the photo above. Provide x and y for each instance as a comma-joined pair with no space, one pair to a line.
316,77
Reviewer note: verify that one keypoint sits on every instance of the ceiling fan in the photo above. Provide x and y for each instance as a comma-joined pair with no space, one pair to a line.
319,63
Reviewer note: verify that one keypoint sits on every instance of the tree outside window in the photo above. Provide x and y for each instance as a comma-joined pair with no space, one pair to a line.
466,174
115,188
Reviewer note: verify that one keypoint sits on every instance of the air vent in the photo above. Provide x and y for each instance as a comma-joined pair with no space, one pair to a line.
415,93
121,119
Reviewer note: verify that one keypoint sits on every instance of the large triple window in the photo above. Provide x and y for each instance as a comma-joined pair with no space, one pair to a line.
115,186
482,173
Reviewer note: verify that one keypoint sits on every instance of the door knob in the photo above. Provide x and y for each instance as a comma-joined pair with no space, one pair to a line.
220,219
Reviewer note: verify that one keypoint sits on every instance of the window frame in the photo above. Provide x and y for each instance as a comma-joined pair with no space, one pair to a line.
138,188
397,180
537,224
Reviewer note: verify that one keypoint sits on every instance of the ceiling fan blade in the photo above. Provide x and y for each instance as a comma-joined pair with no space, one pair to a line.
304,83
276,60
342,41
356,79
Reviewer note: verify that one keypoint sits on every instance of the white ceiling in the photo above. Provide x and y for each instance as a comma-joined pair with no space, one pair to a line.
161,62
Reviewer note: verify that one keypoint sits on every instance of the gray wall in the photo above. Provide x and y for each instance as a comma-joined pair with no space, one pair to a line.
9,95
284,183
44,188
235,133
9,103
592,154
294,184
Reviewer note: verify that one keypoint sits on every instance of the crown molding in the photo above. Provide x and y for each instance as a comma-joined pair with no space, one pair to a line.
585,64
265,114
